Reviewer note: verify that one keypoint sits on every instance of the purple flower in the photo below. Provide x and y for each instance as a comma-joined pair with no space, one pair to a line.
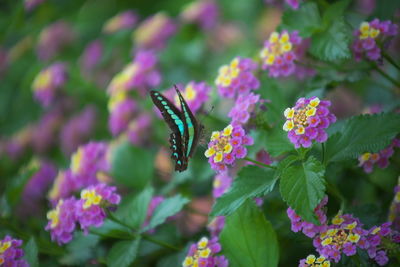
216,225
141,74
243,108
78,129
264,157
10,253
280,53
237,78
121,21
154,32
368,35
54,38
90,209
204,254
222,183
91,56
312,261
121,113
226,146
36,188
62,221
63,186
19,142
202,12
293,3
48,81
307,121
32,4
368,160
139,128
44,134
89,160
394,211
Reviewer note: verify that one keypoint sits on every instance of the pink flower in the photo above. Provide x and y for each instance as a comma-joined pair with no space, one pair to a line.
237,78
243,108
91,208
226,146
202,12
154,203
280,53
368,35
216,225
62,221
381,158
222,183
32,4
10,252
154,32
48,81
124,20
307,121
120,115
204,254
91,56
139,128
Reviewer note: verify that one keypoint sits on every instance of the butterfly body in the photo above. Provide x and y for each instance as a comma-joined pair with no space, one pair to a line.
185,128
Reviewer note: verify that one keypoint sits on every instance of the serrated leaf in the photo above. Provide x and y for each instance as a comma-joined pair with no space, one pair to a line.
364,133
276,142
334,11
31,253
252,181
333,43
248,239
302,186
306,19
131,166
167,208
123,253
133,211
80,249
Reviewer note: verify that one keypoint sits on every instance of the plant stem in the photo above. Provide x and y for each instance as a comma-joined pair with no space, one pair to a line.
159,242
384,74
260,163
115,219
391,60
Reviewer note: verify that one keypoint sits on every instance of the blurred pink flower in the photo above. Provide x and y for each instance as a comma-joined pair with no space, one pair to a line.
123,20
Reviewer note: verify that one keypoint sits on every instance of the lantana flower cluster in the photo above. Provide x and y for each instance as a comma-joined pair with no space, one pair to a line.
202,12
141,74
237,78
222,182
368,160
86,164
204,254
226,146
244,106
307,121
312,261
122,109
154,32
280,52
124,20
89,210
10,252
345,235
370,36
394,211
48,81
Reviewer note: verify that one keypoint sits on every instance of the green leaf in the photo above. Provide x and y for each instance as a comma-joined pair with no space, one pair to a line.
276,142
302,186
123,253
306,19
333,43
252,181
360,134
248,239
31,253
80,249
167,208
133,211
131,166
334,11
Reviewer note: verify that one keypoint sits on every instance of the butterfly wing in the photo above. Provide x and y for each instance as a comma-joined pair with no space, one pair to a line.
174,119
192,127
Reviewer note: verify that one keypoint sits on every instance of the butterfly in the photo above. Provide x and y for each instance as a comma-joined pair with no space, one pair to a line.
184,126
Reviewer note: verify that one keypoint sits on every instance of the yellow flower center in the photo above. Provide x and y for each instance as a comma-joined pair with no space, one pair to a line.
91,198
4,246
76,161
367,31
54,214
279,45
222,146
202,252
227,73
42,81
